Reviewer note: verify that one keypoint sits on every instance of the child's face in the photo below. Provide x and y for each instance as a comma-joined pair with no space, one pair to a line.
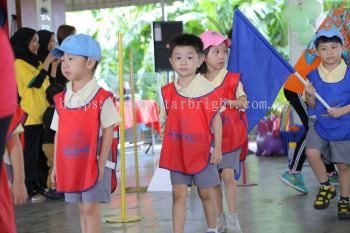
216,57
75,68
330,53
185,61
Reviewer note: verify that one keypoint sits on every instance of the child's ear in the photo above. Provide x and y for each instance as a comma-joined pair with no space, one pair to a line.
91,63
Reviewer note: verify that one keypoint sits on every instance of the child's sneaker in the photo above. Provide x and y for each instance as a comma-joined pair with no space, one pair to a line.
295,181
37,198
233,224
221,222
325,194
343,210
53,195
333,178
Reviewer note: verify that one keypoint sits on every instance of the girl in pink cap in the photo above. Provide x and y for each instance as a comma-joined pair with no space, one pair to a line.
234,129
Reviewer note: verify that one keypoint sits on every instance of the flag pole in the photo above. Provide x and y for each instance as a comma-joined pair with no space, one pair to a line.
124,218
138,188
301,79
244,177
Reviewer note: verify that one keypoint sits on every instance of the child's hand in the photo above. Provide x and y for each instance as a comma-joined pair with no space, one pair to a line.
336,112
19,193
48,60
216,156
310,90
101,170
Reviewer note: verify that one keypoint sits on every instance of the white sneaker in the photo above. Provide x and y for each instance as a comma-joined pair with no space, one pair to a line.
233,224
38,198
221,222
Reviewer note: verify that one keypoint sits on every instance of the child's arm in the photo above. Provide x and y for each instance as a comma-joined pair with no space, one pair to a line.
54,126
240,103
216,155
107,137
18,188
53,173
338,112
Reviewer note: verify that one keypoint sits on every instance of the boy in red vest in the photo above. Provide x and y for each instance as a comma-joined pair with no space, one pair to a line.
193,125
84,121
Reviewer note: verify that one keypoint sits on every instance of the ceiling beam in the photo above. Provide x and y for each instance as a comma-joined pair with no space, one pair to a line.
74,5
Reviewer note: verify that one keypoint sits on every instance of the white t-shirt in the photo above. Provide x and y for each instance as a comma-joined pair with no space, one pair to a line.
109,113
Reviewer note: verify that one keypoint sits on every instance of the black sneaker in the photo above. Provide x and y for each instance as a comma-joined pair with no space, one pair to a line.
325,194
343,210
53,195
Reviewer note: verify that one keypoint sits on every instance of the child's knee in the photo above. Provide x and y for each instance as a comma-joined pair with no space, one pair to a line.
227,176
312,153
179,195
205,194
343,168
89,209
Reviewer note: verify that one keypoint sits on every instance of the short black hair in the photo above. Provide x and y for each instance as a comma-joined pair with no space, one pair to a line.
186,40
95,67
64,31
324,39
52,90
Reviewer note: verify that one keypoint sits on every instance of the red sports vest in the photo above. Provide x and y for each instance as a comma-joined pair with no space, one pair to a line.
7,214
77,144
187,135
234,127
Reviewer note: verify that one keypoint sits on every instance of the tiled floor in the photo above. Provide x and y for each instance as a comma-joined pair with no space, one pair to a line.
269,207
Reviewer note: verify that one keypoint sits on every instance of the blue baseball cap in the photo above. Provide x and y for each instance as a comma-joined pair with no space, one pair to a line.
81,45
329,33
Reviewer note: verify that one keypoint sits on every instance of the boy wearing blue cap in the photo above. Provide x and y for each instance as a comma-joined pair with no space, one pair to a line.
84,120
329,132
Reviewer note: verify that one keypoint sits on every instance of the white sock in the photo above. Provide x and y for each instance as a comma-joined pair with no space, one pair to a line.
233,214
212,230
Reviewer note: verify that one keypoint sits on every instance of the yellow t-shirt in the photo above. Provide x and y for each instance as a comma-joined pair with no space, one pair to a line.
217,81
199,86
33,99
335,75
109,113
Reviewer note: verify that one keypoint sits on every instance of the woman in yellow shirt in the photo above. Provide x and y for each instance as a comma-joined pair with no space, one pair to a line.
32,81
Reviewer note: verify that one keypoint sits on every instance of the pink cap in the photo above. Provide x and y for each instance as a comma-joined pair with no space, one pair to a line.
213,38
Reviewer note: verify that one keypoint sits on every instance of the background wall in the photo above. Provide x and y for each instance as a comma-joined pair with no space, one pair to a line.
28,15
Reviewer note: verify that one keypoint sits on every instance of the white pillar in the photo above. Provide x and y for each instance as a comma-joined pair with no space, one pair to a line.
11,10
295,49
